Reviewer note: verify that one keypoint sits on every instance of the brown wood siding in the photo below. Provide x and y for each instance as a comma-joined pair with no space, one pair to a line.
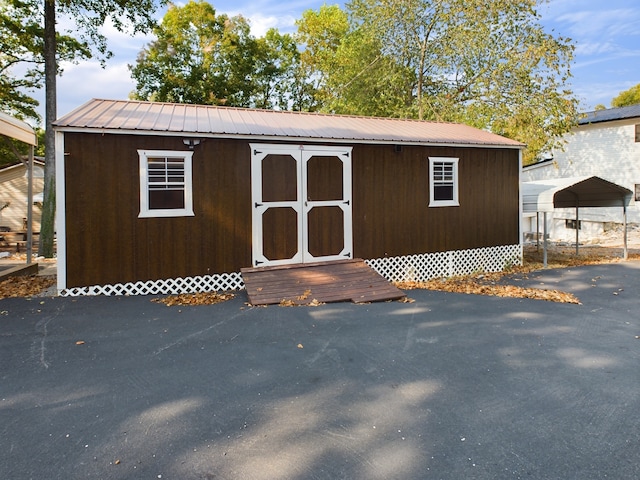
108,243
391,213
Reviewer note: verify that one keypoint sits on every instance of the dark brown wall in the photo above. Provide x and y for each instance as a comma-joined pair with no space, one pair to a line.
391,213
107,243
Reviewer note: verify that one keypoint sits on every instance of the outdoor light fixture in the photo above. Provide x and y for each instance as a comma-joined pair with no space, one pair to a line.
191,142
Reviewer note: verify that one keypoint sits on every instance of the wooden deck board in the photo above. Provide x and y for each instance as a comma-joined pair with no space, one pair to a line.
344,280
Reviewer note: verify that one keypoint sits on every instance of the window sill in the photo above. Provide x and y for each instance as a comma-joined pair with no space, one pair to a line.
166,214
448,203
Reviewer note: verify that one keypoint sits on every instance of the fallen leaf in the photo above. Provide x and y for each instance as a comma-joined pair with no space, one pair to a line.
305,295
406,300
207,298
80,342
300,345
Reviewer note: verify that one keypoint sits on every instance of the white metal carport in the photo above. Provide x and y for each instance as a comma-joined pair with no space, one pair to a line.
574,192
19,130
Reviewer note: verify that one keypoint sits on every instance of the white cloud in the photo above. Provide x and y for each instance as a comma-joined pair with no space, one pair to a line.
80,83
261,23
594,48
590,23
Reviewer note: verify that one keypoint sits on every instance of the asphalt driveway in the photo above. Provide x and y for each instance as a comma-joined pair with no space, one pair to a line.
449,387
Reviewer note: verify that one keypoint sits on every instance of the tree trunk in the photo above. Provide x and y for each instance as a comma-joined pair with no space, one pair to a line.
47,225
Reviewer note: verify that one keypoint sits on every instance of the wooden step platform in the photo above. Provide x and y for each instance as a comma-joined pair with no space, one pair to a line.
302,284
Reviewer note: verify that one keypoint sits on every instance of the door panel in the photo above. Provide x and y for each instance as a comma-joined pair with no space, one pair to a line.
301,203
324,178
325,226
280,233
279,178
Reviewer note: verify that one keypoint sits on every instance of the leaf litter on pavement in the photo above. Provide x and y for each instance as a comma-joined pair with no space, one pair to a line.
497,284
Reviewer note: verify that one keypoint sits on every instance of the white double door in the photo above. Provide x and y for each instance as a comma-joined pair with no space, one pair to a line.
301,197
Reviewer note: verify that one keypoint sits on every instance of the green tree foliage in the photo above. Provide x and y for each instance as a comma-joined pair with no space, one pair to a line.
22,56
276,76
349,71
627,98
488,64
201,57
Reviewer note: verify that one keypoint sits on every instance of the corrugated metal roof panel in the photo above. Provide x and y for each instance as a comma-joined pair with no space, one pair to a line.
205,120
610,115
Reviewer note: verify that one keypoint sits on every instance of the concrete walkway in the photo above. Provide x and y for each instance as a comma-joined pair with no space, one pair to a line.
449,387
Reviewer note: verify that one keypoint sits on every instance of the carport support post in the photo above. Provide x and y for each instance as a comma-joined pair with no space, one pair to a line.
544,239
625,252
30,206
577,229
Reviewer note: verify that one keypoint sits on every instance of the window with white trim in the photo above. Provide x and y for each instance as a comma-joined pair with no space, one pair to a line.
165,183
443,182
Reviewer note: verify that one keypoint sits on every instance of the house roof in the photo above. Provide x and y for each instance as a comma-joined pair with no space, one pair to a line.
610,114
14,165
14,128
119,116
545,195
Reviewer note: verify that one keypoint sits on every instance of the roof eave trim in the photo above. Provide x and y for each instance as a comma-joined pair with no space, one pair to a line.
65,129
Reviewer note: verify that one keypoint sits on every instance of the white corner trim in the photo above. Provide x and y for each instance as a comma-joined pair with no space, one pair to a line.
61,218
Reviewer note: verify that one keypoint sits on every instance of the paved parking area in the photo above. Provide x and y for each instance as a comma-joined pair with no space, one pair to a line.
449,387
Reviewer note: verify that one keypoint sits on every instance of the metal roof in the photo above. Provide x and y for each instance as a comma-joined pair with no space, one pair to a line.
120,116
14,128
610,115
545,195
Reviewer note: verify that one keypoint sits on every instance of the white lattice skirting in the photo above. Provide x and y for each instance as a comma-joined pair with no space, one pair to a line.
420,267
171,286
423,267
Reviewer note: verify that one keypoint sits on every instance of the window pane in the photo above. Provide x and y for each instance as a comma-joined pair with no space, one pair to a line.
443,172
443,192
166,199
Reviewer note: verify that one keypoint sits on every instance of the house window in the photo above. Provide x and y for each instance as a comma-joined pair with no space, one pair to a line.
443,182
573,224
165,183
638,132
637,192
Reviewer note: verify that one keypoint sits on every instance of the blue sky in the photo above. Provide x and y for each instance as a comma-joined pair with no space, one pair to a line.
606,36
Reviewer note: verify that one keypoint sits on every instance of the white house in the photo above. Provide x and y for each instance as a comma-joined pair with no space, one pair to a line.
606,144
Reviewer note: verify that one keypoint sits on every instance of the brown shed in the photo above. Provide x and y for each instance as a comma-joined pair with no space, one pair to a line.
159,198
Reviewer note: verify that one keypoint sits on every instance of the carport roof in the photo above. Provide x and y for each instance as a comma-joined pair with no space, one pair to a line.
120,116
14,128
545,195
